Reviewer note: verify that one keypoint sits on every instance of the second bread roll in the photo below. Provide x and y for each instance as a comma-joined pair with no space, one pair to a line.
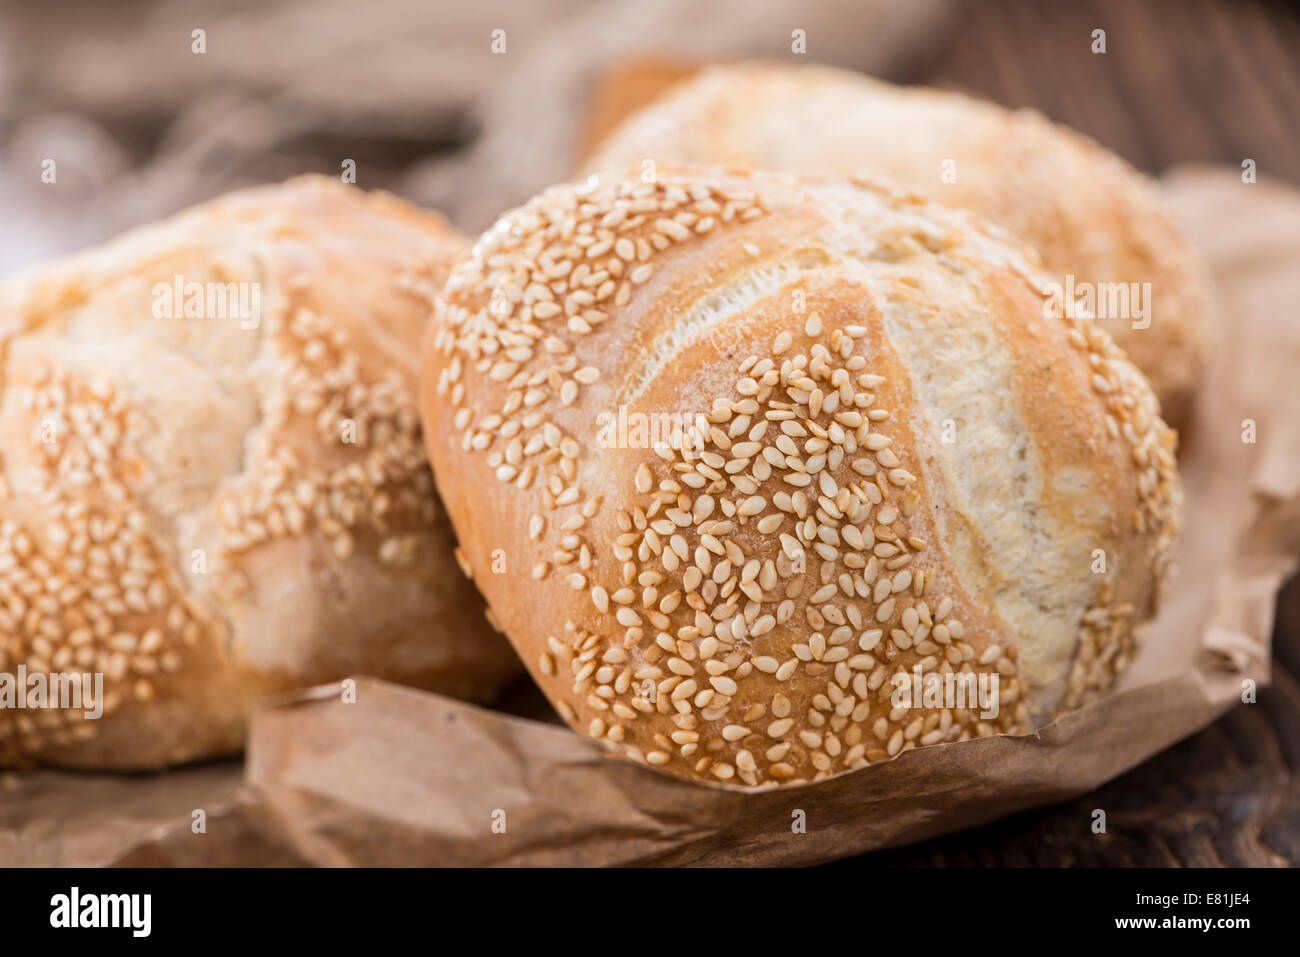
212,480
1091,216
737,458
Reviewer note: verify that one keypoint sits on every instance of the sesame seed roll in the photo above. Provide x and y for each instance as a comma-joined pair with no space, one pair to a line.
204,509
1088,213
900,468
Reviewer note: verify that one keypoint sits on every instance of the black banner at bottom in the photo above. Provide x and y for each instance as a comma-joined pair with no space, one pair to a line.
912,906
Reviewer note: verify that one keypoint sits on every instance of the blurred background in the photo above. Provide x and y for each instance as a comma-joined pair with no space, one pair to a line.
471,107
431,102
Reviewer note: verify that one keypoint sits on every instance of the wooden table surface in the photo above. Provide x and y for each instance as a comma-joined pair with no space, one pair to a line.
1213,81
1182,80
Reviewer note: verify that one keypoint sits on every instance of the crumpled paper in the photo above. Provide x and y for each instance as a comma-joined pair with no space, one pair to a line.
402,777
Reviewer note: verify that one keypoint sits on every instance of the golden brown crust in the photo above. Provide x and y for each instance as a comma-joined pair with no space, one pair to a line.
206,509
1087,212
738,608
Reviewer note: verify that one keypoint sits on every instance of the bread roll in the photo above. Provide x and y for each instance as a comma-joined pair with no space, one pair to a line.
623,88
1087,212
902,463
211,505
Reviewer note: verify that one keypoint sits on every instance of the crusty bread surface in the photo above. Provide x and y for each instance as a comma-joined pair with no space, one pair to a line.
893,466
210,505
1089,214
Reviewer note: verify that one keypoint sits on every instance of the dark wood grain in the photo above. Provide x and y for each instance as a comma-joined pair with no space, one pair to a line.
1182,80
